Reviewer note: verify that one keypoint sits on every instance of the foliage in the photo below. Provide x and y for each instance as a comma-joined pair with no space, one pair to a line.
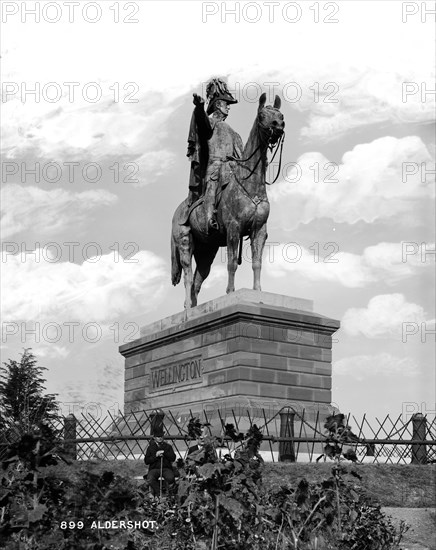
338,435
24,406
226,506
220,503
333,514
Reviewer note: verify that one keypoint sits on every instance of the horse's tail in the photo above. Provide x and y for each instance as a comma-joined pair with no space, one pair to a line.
240,251
176,266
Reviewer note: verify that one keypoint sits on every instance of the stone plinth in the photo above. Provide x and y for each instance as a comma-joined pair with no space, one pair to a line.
248,350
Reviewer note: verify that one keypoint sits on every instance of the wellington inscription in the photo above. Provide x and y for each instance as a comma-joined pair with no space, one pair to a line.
181,373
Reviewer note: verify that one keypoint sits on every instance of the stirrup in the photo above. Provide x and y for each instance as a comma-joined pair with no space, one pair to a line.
213,225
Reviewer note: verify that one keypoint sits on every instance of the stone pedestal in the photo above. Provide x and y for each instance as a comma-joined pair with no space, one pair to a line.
248,351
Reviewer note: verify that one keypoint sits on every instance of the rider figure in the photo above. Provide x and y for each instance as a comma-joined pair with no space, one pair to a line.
211,142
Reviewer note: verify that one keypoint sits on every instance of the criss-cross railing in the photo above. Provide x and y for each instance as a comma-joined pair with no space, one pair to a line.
289,434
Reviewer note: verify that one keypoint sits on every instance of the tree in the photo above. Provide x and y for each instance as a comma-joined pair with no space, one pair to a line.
24,407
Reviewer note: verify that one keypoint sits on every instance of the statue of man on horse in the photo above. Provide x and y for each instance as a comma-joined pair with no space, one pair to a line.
227,190
211,145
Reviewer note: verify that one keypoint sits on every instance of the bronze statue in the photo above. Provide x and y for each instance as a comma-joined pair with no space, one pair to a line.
227,199
211,140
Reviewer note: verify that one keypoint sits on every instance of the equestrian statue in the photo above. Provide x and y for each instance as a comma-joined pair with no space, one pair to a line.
227,198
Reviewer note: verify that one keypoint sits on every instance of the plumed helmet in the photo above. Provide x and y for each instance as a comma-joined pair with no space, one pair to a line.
217,89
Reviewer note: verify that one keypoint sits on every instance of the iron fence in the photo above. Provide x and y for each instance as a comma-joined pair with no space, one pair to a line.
289,435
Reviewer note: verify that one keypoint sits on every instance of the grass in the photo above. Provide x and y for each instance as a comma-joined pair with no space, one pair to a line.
395,485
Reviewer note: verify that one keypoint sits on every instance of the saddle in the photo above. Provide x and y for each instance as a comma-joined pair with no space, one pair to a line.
187,213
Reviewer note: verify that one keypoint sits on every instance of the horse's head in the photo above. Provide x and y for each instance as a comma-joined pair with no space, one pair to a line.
270,119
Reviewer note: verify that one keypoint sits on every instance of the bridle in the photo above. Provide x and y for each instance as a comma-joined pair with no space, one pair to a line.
265,143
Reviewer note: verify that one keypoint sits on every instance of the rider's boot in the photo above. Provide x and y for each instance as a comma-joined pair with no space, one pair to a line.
213,224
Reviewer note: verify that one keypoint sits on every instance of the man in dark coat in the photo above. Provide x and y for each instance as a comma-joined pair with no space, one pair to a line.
159,458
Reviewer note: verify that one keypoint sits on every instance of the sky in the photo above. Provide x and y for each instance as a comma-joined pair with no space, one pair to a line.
94,165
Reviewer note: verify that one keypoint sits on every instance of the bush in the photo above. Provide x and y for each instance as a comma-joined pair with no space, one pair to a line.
220,503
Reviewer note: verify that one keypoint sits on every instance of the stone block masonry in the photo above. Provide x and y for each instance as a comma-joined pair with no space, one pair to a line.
249,347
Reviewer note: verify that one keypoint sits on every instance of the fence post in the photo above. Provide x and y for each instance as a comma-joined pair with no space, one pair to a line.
370,449
419,426
286,448
70,426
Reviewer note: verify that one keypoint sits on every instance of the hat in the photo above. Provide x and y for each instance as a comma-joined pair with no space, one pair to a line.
158,432
217,90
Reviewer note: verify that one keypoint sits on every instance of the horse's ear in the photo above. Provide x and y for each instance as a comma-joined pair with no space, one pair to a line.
262,101
277,102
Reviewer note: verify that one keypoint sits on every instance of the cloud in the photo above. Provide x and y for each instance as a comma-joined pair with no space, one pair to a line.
362,367
387,262
365,97
91,292
368,185
151,165
106,131
218,275
384,316
51,351
103,391
47,212
369,80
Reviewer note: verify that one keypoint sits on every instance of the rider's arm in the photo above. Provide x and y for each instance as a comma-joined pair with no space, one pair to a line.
238,147
204,126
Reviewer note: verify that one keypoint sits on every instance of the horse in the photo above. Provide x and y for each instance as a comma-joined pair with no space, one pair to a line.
242,210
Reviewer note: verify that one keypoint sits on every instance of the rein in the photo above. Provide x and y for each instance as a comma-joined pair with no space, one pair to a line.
271,148
279,144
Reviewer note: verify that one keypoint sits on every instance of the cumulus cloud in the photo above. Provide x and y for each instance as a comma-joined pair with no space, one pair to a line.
47,212
384,316
97,132
369,96
362,367
368,185
93,291
387,262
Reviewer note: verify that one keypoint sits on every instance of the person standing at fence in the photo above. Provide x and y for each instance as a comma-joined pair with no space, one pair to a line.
159,459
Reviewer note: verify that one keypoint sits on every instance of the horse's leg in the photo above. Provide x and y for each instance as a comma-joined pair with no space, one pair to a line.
232,255
258,239
185,251
204,258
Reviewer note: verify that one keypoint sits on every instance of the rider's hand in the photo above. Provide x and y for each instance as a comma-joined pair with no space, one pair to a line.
159,453
198,100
